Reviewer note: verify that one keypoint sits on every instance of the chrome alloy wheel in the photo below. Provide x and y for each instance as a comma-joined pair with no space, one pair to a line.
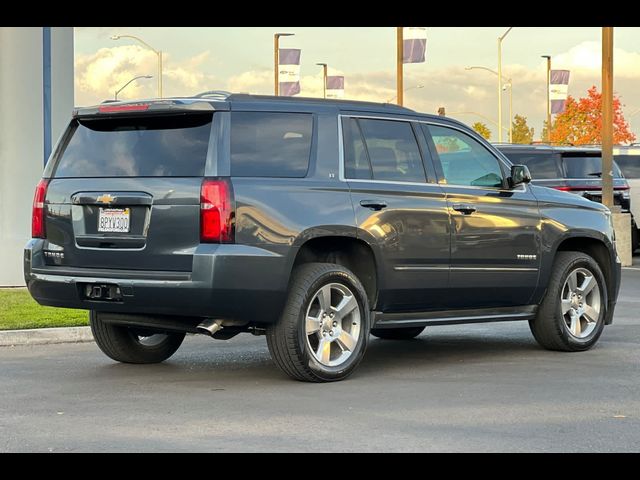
332,324
580,302
150,340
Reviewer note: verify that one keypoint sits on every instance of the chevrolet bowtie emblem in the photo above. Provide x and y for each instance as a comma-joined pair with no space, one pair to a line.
105,198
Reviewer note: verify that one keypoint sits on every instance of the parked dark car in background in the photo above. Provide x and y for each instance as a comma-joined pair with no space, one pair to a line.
312,222
575,170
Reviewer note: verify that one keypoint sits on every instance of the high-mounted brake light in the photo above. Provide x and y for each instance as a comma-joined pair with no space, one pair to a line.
216,211
37,214
137,107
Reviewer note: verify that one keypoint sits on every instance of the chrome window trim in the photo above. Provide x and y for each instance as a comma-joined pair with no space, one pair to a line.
341,166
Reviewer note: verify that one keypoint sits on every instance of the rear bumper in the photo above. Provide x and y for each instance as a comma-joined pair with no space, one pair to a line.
232,282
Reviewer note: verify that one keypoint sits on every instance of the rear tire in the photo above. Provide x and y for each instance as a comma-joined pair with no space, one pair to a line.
126,345
571,316
397,333
323,331
635,236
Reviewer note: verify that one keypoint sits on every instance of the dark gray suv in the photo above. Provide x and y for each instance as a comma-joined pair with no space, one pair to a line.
314,222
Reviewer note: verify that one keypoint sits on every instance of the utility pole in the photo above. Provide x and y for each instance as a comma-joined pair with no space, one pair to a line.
607,116
399,69
500,39
324,79
548,57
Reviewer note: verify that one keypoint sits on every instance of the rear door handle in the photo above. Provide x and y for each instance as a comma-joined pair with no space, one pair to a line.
464,208
373,204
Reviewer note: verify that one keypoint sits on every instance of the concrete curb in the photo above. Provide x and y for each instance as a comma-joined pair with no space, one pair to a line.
43,336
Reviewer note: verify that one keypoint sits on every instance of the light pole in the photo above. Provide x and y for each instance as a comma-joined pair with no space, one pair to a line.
607,116
399,66
276,60
405,90
548,57
505,82
157,52
324,79
132,80
500,39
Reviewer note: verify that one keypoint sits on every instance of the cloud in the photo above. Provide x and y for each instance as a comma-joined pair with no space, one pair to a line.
99,74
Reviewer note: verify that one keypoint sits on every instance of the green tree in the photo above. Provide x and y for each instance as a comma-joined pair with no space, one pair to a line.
482,129
522,133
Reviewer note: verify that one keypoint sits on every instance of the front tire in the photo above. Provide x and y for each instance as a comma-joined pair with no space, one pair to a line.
128,345
397,333
571,316
324,328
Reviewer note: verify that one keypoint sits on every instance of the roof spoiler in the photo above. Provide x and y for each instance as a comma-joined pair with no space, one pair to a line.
149,107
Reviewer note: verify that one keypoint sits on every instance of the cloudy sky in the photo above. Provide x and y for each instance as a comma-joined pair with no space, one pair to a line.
241,60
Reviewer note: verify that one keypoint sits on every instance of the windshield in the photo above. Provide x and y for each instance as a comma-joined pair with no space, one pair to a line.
152,146
586,167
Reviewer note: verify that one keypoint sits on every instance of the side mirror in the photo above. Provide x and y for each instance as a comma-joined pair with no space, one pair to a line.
519,174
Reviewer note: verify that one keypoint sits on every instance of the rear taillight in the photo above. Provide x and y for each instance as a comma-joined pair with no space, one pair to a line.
562,189
216,211
37,214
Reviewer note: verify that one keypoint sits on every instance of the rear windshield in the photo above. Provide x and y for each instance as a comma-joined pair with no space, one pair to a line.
586,167
630,165
168,146
541,166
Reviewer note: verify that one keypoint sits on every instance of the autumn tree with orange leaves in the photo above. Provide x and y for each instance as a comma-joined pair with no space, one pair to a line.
581,121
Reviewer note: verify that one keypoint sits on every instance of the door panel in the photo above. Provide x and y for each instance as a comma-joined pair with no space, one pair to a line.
494,251
413,235
495,231
395,208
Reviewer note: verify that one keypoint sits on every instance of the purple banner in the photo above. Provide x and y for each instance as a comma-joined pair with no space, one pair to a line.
289,56
335,82
414,50
289,89
558,90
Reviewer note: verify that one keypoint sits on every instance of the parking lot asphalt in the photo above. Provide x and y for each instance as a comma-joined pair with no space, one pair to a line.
485,387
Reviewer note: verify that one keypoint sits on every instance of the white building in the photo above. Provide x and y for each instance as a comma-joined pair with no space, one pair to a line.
36,100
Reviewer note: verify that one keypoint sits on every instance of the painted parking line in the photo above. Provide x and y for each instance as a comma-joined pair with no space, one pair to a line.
631,268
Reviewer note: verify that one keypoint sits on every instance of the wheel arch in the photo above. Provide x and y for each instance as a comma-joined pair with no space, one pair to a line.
594,244
350,252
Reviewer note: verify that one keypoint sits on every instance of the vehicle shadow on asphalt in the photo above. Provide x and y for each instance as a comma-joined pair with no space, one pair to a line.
218,361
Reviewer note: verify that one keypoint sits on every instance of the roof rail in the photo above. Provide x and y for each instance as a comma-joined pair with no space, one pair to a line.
214,93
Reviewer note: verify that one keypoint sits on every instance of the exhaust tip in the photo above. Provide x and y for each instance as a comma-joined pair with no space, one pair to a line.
209,327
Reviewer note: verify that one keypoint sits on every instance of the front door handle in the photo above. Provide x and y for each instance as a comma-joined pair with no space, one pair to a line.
373,204
464,208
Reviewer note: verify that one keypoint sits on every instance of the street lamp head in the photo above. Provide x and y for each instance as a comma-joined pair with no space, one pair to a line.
322,64
419,86
545,56
284,34
115,37
147,76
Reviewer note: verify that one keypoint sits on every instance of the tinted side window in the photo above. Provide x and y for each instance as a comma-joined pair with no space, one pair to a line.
630,165
464,160
148,146
586,166
265,144
393,150
541,166
356,160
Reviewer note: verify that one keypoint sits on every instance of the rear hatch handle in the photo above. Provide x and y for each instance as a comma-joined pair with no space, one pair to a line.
114,199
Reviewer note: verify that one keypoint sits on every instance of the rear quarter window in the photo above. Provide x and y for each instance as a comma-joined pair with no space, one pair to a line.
268,144
151,146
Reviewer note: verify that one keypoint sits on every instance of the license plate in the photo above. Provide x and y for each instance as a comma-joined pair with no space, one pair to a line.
113,220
